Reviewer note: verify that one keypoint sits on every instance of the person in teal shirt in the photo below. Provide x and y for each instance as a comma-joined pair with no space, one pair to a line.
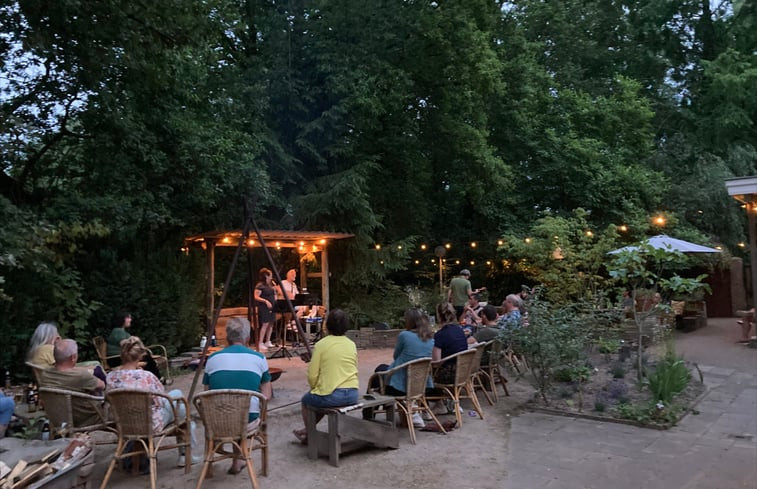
417,341
121,323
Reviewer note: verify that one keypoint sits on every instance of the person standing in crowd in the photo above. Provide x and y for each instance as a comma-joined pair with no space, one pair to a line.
239,367
460,291
42,345
265,296
332,373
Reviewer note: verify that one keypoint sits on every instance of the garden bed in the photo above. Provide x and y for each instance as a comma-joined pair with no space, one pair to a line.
611,393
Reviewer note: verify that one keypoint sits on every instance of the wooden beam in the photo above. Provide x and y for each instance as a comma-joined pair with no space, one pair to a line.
325,278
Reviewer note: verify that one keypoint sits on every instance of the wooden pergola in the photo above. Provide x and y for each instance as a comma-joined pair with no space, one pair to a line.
304,242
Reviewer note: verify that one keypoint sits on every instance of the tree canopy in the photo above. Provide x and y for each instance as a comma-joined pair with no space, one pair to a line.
125,126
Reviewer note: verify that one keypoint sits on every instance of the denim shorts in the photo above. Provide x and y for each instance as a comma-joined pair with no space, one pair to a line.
340,397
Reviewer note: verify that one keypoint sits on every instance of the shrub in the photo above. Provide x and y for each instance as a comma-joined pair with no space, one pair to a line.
608,346
617,389
618,371
669,379
555,340
599,407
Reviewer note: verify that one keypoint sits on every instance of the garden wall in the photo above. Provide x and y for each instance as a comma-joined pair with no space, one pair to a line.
373,338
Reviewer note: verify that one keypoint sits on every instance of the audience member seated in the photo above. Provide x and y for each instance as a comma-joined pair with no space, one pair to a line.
289,290
489,329
332,373
42,345
131,376
7,406
471,317
65,375
121,322
413,343
239,367
449,340
512,316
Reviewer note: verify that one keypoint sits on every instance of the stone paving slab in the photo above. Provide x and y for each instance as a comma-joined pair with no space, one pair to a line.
716,449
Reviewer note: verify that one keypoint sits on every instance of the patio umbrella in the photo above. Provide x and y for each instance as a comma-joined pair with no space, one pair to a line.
665,242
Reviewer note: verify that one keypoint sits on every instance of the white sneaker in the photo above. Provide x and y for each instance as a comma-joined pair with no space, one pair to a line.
418,420
268,344
426,416
262,348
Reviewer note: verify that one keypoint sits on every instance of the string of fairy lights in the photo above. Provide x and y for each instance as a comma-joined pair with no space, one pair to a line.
440,251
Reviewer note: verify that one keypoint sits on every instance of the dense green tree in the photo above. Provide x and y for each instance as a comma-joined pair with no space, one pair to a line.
125,126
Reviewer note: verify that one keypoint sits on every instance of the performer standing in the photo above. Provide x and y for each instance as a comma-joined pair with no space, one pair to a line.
265,296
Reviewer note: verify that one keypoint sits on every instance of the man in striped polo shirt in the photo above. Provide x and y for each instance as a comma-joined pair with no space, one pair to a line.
239,367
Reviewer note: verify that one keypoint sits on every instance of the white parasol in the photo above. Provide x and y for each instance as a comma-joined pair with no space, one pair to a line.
665,242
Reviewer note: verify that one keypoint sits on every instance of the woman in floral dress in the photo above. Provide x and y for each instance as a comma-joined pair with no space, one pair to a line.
131,376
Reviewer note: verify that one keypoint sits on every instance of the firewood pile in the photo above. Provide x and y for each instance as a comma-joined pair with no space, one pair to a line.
51,467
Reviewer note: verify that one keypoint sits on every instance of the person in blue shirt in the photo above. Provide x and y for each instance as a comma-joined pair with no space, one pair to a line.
413,343
512,317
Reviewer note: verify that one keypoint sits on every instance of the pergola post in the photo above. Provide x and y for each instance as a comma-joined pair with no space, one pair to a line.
745,190
325,278
211,254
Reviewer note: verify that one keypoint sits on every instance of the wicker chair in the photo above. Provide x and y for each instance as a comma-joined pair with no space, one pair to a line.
36,371
491,369
224,413
479,375
101,347
465,369
414,399
59,407
132,410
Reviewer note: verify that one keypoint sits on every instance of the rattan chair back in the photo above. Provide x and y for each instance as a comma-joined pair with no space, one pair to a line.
101,347
59,407
465,363
132,410
417,373
224,412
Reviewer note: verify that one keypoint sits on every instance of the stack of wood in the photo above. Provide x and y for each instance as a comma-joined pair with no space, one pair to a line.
25,473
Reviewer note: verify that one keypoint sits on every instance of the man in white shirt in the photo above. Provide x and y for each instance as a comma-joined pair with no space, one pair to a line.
288,286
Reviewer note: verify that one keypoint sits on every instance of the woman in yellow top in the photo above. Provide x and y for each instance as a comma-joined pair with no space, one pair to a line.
41,345
332,373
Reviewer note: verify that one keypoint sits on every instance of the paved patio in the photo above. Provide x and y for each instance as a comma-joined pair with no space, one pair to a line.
715,449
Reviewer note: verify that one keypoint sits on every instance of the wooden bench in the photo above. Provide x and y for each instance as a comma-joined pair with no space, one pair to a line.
347,433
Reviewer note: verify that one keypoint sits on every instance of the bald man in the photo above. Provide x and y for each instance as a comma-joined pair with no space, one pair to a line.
66,375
